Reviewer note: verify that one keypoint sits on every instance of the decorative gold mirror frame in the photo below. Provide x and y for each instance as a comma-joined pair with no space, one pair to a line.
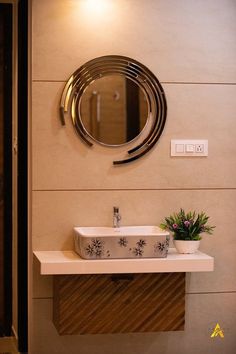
130,68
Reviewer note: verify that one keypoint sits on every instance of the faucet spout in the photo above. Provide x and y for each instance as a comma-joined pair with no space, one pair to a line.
116,217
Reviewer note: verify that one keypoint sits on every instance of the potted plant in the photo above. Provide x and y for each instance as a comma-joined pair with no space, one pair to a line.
187,227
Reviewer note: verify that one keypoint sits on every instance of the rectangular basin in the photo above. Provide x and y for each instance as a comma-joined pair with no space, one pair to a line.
123,242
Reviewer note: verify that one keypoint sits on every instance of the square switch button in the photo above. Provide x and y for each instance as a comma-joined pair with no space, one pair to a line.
179,148
189,148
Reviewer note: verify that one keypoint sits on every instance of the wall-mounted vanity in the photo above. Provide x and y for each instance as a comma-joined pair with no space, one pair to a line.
119,295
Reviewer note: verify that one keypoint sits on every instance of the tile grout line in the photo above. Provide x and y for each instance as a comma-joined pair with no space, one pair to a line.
197,83
187,293
133,189
162,82
211,292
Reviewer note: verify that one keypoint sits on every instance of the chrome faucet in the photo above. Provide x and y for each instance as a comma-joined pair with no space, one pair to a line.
116,217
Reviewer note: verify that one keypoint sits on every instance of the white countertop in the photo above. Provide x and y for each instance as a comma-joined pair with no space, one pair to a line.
69,262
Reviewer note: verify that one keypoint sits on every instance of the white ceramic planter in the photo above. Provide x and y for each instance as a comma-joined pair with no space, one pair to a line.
186,246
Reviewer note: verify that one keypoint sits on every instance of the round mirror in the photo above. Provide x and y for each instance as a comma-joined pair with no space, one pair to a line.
112,100
113,110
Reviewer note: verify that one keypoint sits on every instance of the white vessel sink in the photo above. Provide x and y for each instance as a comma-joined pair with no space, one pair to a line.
122,242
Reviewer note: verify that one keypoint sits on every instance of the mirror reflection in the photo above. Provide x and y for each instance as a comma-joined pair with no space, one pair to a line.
113,110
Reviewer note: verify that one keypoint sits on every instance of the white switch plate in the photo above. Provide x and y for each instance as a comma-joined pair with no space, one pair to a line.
187,147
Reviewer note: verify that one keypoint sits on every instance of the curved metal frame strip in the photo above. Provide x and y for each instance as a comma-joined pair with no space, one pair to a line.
130,68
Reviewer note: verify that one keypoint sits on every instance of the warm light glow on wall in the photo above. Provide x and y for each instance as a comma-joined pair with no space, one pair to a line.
96,7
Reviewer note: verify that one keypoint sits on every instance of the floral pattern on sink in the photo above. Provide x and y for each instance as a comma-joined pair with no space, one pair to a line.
122,247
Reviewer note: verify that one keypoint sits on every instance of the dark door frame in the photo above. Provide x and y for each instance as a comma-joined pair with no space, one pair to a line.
7,17
22,222
22,178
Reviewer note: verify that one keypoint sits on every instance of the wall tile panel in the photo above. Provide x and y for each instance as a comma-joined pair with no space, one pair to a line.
62,161
174,39
55,213
202,314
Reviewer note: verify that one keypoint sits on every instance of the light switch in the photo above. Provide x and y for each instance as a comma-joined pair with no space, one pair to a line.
179,148
189,148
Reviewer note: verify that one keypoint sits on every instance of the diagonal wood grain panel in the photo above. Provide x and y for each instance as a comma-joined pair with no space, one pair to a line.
87,304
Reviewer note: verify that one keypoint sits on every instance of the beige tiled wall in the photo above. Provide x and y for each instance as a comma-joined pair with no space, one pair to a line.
201,316
190,46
